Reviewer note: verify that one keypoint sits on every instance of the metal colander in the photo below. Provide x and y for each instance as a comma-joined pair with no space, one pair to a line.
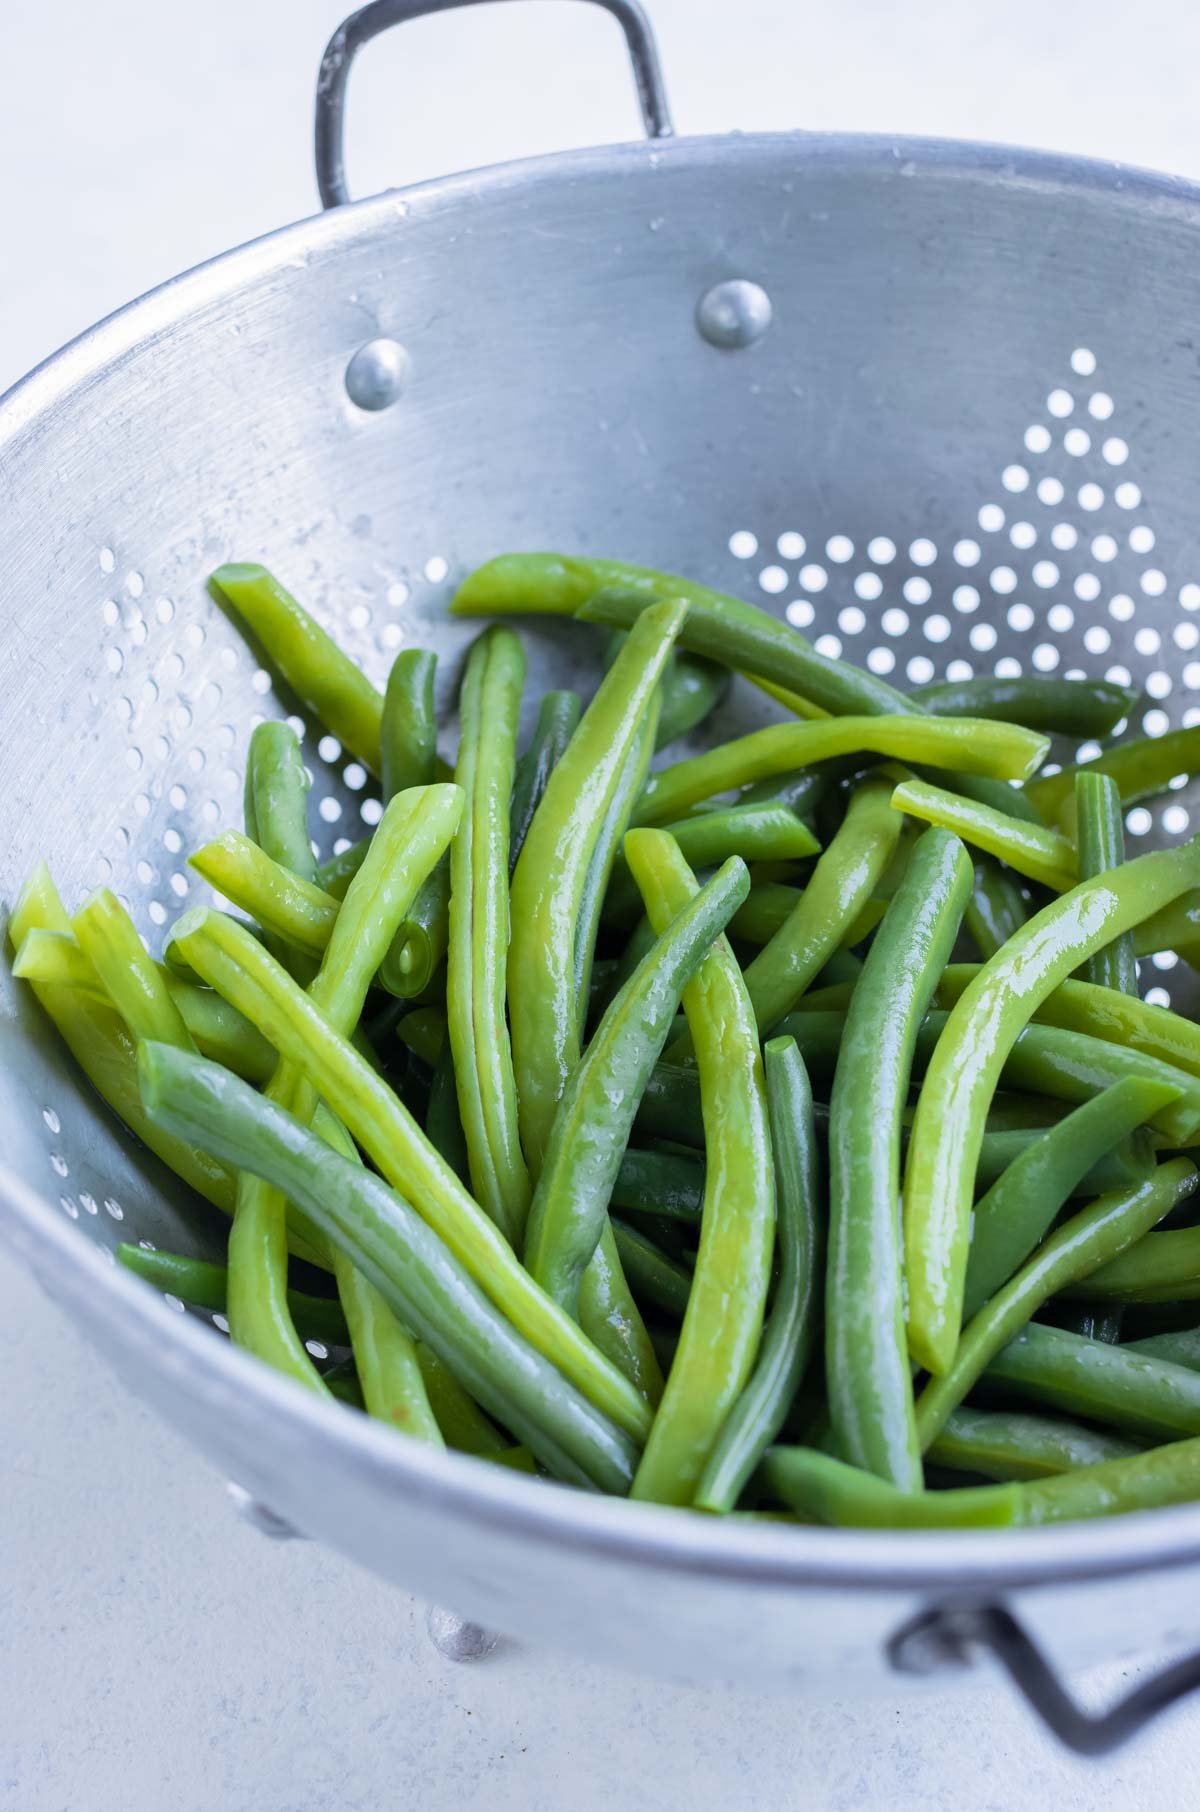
937,404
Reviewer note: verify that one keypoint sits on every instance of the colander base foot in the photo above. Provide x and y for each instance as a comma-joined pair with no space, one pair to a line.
458,1639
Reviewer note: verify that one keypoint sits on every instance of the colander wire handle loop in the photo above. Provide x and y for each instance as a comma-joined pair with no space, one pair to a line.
369,21
951,1635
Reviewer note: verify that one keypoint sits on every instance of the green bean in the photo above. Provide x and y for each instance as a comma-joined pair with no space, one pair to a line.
1115,1170
1146,1397
758,1415
1101,838
463,1424
1078,1006
385,1354
591,1127
999,750
656,1279
558,715
426,1287
551,874
659,1182
801,792
443,1122
965,1071
205,1286
817,1485
423,1031
310,661
295,910
1043,855
276,794
691,687
1141,767
334,876
724,1319
109,939
605,856
1020,1208
243,972
1181,1347
838,888
1161,1268
996,909
421,939
1176,927
490,706
869,1378
1074,1251
610,1317
1061,707
753,832
1007,1445
408,726
54,959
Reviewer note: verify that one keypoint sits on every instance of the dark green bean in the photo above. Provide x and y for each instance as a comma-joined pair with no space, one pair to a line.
660,1182
408,726
1006,1444
1141,767
558,714
606,855
752,832
692,687
869,1378
1165,1268
1115,1385
1062,707
206,1285
1101,839
656,1279
996,909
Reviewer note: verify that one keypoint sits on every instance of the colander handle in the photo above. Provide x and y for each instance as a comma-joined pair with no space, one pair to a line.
369,21
952,1635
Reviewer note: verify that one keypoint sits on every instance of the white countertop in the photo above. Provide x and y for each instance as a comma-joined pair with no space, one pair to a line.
154,1651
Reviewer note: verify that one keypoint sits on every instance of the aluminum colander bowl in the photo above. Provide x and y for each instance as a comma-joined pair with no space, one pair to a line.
938,404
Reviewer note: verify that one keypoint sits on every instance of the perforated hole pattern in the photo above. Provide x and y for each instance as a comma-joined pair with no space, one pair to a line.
1056,573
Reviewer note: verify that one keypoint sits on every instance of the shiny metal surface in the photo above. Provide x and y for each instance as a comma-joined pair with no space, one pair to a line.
889,464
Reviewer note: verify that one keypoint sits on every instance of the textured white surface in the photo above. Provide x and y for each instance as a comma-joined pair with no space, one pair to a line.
154,1652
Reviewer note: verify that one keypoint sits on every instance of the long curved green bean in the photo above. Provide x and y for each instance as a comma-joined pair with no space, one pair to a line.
1043,855
1161,1268
1019,1209
724,1318
1074,1251
606,854
1001,751
408,726
611,1319
591,1127
1100,834
965,1071
691,687
1009,1445
424,1284
1149,1398
1061,707
997,907
802,792
868,1375
842,881
489,709
310,661
758,1415
1141,767
551,873
243,972
769,832
557,718
826,1489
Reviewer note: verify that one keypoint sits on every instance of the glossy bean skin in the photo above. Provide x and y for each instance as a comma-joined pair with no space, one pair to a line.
551,873
724,1318
1061,707
997,908
1020,1207
1006,1445
1141,767
607,854
966,1066
1100,834
842,881
310,661
868,1374
758,1415
109,939
659,1182
1076,1249
1042,855
1164,1268
276,798
998,751
692,687
557,718
399,1253
656,1279
1148,1398
769,832
243,972
826,1490
297,911
591,1127
408,726
489,711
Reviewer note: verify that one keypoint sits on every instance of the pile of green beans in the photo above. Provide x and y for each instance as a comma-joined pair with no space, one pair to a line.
635,1105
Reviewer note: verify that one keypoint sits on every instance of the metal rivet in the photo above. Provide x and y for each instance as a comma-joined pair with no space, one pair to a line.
257,1514
734,314
377,374
457,1639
